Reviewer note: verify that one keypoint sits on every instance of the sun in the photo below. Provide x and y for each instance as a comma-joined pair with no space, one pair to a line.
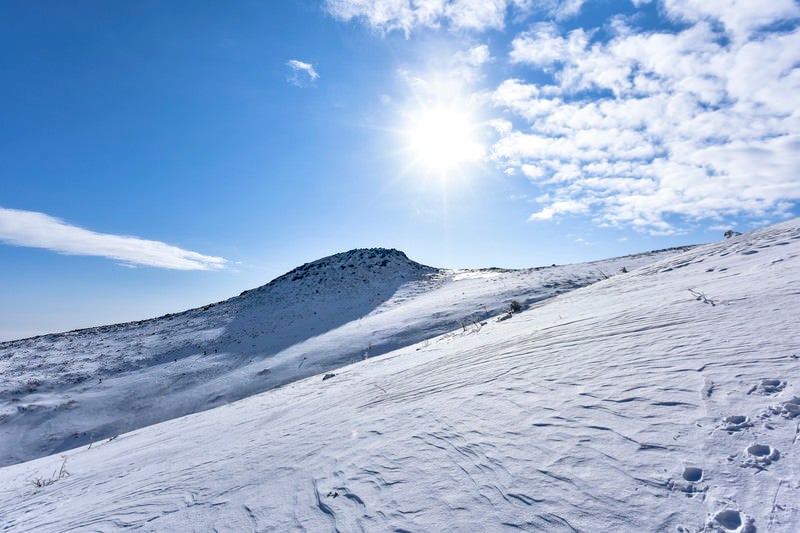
442,139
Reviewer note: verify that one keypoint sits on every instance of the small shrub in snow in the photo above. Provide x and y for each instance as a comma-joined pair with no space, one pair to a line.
700,297
61,473
470,321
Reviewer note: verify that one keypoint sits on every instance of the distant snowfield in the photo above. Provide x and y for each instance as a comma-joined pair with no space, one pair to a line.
664,399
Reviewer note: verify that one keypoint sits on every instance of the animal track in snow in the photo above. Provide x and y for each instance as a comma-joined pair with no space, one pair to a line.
735,423
761,455
788,409
768,386
688,483
693,474
732,520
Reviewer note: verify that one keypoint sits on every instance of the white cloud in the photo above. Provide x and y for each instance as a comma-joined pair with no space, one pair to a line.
302,74
532,172
559,208
523,98
568,8
472,15
556,9
543,45
476,14
501,126
478,55
38,230
385,15
467,65
740,17
408,15
700,123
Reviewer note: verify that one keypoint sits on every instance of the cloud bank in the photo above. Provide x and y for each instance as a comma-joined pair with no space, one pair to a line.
700,123
38,230
655,127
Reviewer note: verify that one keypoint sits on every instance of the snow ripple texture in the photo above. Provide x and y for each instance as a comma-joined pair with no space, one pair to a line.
663,399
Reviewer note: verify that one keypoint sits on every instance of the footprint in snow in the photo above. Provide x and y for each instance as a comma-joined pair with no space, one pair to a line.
344,492
734,423
789,409
692,474
732,520
760,456
768,386
689,482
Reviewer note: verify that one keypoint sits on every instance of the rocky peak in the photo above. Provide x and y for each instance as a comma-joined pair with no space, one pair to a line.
360,264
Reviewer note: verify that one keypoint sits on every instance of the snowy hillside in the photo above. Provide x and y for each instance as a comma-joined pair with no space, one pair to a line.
66,390
665,399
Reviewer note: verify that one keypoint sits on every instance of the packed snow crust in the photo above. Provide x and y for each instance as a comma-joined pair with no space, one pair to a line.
664,399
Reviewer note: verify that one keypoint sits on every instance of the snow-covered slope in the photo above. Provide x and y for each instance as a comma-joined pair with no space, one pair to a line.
665,399
66,390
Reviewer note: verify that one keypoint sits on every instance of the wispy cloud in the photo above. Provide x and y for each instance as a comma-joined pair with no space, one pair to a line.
302,74
38,230
557,208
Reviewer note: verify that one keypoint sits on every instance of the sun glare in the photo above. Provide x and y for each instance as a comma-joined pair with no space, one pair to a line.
442,139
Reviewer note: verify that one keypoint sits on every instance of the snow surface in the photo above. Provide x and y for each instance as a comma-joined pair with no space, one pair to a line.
66,390
665,399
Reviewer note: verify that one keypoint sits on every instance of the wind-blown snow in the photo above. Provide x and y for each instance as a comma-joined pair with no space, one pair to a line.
66,390
665,399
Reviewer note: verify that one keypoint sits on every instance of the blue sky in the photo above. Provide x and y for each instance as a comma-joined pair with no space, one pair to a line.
162,155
